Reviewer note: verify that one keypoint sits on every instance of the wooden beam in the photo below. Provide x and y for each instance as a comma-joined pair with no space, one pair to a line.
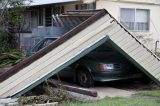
73,88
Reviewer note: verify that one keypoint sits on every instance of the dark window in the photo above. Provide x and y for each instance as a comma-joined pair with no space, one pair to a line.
85,6
56,10
42,44
62,9
76,7
40,13
48,16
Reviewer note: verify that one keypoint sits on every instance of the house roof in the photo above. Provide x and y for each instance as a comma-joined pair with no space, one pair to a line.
44,2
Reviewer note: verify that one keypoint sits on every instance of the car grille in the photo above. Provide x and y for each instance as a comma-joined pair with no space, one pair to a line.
117,66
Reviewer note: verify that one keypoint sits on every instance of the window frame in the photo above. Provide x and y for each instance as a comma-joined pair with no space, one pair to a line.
135,12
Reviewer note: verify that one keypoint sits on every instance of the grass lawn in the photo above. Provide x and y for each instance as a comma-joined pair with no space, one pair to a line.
152,93
117,102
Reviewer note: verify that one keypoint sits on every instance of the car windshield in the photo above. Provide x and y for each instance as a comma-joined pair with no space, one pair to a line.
103,52
45,42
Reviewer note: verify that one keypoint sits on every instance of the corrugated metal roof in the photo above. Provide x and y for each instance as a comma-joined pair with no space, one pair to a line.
44,2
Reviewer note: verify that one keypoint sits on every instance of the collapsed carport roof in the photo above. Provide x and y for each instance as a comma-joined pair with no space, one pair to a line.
73,45
58,42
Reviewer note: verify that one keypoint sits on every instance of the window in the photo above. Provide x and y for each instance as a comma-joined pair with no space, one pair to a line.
85,6
48,16
40,17
49,11
135,19
81,6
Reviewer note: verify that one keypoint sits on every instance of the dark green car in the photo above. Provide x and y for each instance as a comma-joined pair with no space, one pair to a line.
102,64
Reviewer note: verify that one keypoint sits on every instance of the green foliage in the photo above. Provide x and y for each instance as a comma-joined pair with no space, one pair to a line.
14,16
117,102
153,93
11,19
33,100
8,41
10,58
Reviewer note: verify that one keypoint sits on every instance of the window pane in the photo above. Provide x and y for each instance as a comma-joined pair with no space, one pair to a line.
56,10
142,23
128,18
141,26
141,15
127,15
135,19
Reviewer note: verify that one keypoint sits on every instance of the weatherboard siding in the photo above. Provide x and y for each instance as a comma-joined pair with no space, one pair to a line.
52,53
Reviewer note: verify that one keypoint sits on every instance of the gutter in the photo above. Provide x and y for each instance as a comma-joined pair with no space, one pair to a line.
133,1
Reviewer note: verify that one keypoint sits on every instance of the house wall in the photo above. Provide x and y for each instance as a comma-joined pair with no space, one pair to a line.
32,27
33,14
38,27
113,6
138,1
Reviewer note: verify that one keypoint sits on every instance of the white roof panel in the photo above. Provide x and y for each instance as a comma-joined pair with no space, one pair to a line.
43,2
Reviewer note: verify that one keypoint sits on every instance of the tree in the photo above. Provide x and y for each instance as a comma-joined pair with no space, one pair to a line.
11,17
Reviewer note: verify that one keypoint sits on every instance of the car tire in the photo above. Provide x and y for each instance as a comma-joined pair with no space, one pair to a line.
84,78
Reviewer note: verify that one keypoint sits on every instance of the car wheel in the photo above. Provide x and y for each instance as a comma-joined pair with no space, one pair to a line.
84,78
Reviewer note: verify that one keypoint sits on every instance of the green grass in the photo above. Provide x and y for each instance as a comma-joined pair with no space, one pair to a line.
152,93
116,102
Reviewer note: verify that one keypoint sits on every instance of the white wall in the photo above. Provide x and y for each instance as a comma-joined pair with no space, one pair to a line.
114,9
139,1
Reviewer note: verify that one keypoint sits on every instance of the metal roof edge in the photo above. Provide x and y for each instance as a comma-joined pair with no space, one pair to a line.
52,3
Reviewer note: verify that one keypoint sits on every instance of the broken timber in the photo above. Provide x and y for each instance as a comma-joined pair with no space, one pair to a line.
101,27
73,89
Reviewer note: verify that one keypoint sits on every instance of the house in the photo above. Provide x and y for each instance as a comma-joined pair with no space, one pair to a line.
141,17
39,21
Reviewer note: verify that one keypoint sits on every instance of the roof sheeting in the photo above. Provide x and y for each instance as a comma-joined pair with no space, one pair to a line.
61,47
44,2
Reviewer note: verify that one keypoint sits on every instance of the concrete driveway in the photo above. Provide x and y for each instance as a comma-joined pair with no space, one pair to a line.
102,90
111,92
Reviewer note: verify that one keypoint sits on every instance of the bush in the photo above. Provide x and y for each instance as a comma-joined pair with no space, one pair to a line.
10,58
8,41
